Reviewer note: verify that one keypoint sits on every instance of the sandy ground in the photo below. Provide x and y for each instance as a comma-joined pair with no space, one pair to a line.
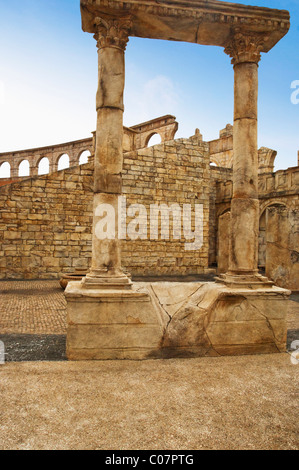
209,403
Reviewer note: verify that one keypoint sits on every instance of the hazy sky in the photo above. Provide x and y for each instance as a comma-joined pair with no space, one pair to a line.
48,80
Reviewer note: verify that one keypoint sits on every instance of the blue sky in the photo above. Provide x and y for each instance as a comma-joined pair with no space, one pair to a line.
48,80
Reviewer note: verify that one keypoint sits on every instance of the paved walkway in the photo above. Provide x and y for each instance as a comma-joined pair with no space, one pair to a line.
32,307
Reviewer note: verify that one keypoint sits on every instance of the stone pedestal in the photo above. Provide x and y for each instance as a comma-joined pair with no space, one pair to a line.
110,324
169,319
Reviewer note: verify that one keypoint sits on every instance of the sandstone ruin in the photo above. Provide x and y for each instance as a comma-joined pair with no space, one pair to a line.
109,316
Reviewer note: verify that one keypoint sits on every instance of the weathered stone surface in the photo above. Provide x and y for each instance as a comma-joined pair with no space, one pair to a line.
223,235
282,247
180,320
197,22
229,321
62,218
111,324
244,235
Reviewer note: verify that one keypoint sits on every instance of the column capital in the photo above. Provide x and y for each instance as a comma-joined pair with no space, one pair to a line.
112,32
245,46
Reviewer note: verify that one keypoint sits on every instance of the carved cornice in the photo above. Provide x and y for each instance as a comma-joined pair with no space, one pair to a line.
112,32
245,46
209,12
194,21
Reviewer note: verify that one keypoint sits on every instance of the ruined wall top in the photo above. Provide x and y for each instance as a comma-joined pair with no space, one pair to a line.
197,21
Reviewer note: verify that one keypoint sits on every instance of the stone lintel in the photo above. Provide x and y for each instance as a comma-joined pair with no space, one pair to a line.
194,21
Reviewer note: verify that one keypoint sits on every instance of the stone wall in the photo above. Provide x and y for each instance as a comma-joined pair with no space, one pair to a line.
279,215
220,177
45,222
173,172
282,246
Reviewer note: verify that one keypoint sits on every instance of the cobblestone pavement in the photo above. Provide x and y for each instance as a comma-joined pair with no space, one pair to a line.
32,307
39,307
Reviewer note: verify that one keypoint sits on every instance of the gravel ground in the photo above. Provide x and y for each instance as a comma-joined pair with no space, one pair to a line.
209,403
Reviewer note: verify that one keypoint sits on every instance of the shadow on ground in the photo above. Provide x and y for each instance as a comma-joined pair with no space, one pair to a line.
27,348
23,348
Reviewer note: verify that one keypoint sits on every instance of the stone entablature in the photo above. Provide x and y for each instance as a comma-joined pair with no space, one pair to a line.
197,21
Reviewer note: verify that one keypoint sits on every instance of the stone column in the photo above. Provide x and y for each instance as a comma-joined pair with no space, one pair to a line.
112,36
244,48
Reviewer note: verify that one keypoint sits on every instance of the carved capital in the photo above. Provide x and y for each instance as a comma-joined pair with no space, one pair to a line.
112,32
245,46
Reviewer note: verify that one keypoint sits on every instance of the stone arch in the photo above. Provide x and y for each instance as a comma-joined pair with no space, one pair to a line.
262,261
5,170
151,136
84,157
223,209
273,202
222,243
43,165
24,168
63,162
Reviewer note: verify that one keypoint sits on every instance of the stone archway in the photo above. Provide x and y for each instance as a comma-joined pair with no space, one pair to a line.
262,258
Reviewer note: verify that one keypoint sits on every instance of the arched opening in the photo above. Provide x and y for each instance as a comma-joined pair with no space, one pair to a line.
262,242
5,170
44,166
24,168
262,258
83,159
63,162
223,229
154,139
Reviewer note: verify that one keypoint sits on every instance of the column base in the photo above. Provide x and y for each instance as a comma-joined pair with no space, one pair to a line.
252,281
113,282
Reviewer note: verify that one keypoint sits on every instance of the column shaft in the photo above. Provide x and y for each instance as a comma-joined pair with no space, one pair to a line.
106,252
245,204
